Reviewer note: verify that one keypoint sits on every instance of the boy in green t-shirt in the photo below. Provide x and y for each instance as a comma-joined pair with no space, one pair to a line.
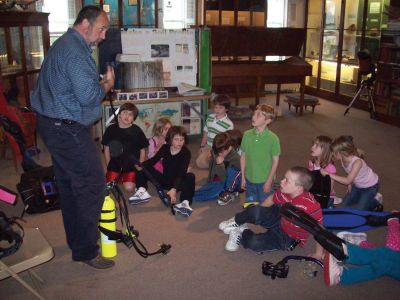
260,156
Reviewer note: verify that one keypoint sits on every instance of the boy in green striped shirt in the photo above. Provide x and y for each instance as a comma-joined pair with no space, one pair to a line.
216,122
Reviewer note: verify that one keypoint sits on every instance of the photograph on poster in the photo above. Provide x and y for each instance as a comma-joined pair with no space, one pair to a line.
122,96
179,68
159,50
153,95
133,96
195,126
185,48
178,48
162,95
143,95
192,126
188,68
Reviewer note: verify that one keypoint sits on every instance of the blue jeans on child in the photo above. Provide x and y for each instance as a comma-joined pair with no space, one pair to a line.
268,217
361,198
374,263
255,192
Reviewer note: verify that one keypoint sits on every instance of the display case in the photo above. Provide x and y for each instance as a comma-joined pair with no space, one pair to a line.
387,83
235,13
24,41
336,31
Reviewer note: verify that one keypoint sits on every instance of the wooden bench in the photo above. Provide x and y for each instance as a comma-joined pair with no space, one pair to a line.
308,101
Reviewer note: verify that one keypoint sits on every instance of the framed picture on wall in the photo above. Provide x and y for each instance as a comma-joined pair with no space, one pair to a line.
132,2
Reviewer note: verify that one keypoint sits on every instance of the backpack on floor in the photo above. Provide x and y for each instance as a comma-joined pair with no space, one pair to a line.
38,190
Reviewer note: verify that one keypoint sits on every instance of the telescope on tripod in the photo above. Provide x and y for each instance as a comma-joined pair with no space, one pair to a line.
366,68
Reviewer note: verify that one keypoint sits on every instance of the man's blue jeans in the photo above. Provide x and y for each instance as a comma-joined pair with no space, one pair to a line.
80,181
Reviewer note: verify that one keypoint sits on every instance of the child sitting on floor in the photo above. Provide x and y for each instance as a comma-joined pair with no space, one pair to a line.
321,158
160,129
362,181
371,263
281,234
224,164
133,141
175,158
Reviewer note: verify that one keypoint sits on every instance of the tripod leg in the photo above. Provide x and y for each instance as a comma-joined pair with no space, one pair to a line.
371,105
353,100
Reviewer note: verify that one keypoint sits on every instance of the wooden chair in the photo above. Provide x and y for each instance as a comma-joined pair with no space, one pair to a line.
34,251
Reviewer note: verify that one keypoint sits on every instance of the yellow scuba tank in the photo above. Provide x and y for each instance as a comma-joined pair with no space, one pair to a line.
108,220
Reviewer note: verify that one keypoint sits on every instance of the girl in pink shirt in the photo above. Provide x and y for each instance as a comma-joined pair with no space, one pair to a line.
321,158
362,182
160,129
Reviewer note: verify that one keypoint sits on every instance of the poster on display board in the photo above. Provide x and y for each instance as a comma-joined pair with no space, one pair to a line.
175,48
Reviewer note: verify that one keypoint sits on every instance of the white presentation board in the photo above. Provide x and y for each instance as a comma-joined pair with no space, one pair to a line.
176,48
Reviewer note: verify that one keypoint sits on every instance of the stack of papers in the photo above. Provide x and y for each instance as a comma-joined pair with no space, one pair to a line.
186,89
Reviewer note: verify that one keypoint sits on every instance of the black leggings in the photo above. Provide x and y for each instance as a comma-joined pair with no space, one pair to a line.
186,185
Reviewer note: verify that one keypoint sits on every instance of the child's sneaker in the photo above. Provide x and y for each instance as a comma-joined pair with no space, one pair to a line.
379,207
337,200
141,195
228,225
235,236
354,238
226,197
183,208
379,198
332,270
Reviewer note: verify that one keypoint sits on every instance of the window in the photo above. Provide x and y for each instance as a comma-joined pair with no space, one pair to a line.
62,15
179,13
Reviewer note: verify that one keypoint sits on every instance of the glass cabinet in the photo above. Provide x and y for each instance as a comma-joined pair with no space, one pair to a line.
235,13
24,41
336,31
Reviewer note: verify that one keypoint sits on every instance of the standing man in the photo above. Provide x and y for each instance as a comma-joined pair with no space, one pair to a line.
67,101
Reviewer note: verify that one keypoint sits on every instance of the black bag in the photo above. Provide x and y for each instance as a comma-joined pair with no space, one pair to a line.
38,190
11,235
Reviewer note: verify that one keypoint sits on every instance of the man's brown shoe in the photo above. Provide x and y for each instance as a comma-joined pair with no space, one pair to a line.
100,263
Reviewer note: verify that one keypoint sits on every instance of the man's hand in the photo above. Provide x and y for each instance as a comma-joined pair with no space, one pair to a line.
108,79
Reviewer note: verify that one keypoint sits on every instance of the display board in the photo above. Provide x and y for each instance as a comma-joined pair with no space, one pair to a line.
175,48
177,112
